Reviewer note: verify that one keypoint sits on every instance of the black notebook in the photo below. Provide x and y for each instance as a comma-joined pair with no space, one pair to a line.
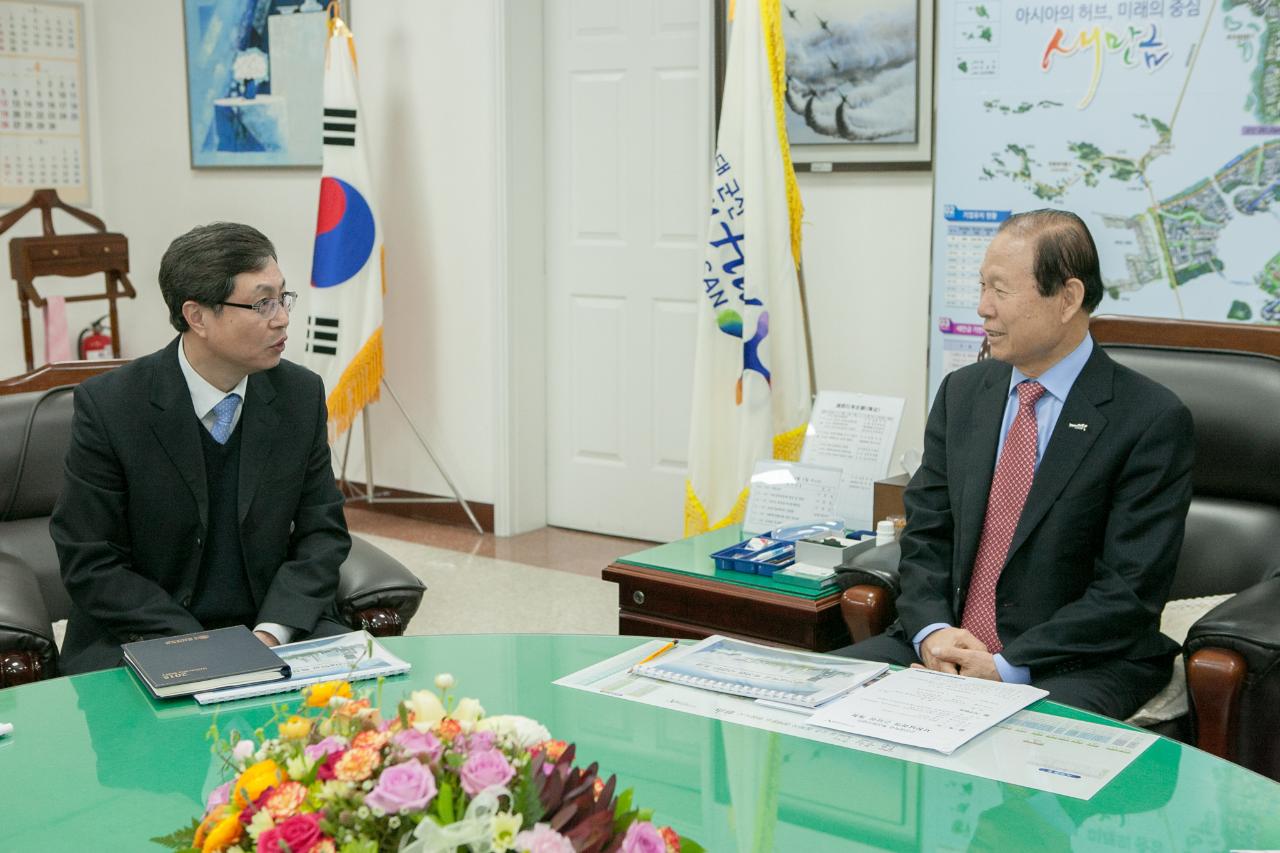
205,660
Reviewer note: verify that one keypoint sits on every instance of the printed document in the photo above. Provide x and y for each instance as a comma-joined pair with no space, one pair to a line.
1044,751
784,493
927,709
353,656
855,433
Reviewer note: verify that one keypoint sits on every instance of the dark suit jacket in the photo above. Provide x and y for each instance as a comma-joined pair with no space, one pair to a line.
1094,553
130,523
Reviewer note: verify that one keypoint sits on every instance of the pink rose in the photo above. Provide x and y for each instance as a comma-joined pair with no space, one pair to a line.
480,741
414,742
328,746
300,833
403,787
643,837
484,770
542,839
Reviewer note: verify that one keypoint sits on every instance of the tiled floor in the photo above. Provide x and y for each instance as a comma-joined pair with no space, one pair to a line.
549,548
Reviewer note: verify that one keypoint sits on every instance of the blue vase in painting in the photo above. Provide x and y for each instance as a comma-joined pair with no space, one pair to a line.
250,89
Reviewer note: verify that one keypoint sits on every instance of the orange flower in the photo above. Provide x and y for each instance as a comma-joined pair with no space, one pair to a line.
208,823
284,801
553,748
353,709
356,764
295,728
225,833
447,729
597,788
671,838
371,738
318,695
254,780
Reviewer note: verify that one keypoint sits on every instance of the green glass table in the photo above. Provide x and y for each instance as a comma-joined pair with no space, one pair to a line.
675,590
95,764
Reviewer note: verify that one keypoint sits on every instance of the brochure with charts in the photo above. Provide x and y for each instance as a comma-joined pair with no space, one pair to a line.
762,672
354,656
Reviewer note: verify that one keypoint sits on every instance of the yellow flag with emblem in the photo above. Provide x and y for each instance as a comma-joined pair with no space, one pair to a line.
751,390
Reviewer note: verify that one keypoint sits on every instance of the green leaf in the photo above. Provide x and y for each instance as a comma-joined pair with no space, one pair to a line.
524,798
623,804
182,840
688,845
444,803
362,846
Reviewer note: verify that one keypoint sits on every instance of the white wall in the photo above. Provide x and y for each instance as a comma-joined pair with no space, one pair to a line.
866,267
428,107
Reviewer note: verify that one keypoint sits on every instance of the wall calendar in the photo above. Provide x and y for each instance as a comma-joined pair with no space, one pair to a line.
43,130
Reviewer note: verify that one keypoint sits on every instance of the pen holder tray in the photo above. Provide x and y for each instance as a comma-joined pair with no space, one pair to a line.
758,556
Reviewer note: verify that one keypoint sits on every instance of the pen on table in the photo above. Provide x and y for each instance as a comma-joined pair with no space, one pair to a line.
662,651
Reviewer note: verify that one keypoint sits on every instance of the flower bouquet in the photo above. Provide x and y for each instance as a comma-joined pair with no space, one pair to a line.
439,776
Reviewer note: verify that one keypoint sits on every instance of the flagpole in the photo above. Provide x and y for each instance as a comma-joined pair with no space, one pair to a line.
808,335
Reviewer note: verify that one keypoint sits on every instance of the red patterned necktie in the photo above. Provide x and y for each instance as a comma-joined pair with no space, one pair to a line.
1009,487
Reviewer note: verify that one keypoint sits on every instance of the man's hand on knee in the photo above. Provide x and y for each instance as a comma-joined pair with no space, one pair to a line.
946,639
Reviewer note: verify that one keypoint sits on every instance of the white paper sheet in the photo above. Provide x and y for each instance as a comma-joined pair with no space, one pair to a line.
785,493
855,433
1072,758
927,709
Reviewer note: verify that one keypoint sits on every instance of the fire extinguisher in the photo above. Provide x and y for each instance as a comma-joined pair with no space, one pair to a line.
95,343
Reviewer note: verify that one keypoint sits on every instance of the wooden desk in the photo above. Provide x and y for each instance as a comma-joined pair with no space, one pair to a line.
674,590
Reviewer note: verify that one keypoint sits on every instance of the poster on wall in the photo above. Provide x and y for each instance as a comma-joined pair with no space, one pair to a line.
1157,121
43,127
255,78
858,79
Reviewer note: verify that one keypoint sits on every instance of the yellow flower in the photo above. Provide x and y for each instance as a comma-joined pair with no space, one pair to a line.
295,728
505,828
225,833
254,780
356,764
318,695
425,709
468,711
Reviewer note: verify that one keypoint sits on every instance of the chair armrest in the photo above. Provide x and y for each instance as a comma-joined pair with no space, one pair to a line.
1231,654
867,604
375,591
27,648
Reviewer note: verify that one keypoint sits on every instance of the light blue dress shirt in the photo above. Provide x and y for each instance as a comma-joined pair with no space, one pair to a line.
1057,382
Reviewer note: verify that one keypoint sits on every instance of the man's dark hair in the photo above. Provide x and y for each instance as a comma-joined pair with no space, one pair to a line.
1064,249
202,265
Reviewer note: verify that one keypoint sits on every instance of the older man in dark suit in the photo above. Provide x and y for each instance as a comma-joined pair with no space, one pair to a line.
1045,522
199,491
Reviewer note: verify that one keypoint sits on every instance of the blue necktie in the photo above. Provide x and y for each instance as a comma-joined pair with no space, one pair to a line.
224,415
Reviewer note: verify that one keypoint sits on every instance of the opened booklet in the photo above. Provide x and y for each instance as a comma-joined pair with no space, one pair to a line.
762,672
350,657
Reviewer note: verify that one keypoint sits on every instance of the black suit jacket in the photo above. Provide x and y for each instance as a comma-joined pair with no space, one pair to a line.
1094,552
130,523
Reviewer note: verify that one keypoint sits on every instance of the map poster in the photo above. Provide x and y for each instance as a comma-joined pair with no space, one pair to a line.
1157,121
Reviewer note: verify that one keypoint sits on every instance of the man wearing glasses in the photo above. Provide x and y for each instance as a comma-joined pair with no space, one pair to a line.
198,490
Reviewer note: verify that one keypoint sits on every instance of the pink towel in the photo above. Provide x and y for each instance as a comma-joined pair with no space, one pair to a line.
57,343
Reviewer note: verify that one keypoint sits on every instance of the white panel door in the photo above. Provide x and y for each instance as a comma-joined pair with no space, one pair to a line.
628,142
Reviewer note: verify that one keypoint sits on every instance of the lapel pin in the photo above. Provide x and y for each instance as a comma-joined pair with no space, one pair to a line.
1081,427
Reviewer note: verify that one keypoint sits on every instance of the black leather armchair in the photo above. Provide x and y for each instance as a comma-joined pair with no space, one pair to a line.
375,591
1228,375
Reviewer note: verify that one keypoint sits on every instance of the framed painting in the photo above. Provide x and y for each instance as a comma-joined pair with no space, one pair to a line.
859,83
255,81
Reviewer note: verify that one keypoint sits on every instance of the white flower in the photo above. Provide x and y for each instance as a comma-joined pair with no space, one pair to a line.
523,731
243,750
260,823
299,766
468,711
426,709
250,64
444,681
505,828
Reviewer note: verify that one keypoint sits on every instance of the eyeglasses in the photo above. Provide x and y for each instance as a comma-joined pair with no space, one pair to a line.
268,307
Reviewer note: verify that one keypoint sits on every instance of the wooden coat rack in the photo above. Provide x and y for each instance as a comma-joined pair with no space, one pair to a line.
66,255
